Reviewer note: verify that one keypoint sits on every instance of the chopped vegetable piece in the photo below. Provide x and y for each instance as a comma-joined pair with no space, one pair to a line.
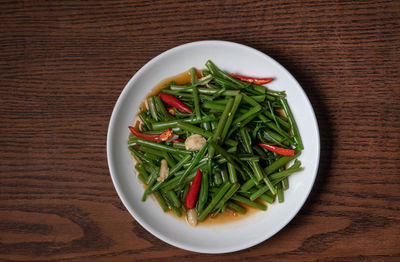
278,150
255,80
164,136
194,142
175,102
164,171
191,197
192,217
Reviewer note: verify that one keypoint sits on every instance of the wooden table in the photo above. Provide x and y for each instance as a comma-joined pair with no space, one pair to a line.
63,65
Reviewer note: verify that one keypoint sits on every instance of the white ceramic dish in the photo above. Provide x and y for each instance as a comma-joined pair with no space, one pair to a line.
221,238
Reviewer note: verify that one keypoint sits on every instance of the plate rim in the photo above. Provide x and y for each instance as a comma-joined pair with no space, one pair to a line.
116,183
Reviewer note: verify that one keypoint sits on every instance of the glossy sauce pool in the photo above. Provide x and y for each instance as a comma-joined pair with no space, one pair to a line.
181,79
222,218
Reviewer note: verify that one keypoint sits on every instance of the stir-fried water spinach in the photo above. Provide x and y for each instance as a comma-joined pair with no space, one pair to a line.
221,141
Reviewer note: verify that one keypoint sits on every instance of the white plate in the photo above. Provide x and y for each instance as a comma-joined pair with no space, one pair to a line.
221,238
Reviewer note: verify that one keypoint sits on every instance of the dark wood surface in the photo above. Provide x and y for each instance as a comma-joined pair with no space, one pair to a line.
63,65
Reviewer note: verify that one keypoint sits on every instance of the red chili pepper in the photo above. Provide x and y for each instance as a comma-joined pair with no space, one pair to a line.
191,197
177,140
171,111
278,150
175,102
164,136
255,80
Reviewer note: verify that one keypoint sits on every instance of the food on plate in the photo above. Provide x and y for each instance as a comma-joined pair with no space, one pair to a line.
219,143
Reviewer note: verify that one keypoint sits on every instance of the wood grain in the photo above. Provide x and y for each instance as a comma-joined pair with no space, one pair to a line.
63,65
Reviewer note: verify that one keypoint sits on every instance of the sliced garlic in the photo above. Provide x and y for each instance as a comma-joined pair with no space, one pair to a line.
191,217
164,171
194,142
281,112
206,79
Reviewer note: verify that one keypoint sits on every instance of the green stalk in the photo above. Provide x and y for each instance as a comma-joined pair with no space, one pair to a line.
278,118
152,179
284,173
269,185
280,192
161,108
285,183
292,123
279,163
144,119
257,170
161,201
195,93
220,193
197,130
205,91
162,147
232,173
203,194
267,198
176,210
152,107
227,196
200,154
217,72
217,133
236,207
172,196
248,114
247,186
249,203
231,116
173,123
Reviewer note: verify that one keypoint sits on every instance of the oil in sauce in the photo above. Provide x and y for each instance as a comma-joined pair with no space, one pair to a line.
181,79
222,218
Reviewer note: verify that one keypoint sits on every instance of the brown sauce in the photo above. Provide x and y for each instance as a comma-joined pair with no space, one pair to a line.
181,79
222,218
